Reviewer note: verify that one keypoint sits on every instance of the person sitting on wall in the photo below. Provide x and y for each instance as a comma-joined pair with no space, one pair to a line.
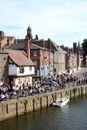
17,89
2,96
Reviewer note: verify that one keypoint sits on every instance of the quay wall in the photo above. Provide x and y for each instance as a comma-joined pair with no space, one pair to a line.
15,107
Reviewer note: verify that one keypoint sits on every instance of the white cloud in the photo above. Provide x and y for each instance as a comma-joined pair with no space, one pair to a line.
63,21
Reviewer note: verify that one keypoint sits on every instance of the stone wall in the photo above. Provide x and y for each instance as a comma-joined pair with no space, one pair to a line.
15,107
3,65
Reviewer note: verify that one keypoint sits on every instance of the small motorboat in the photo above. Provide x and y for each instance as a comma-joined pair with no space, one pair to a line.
60,102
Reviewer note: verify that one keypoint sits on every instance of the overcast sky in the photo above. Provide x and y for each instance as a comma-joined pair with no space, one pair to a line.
63,21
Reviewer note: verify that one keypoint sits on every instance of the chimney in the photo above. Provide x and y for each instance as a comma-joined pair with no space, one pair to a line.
49,44
36,37
15,41
27,47
42,43
8,42
74,47
1,34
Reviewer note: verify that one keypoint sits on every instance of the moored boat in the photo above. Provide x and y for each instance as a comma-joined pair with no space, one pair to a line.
60,102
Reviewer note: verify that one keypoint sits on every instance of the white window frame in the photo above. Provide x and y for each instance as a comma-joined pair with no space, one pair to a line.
35,53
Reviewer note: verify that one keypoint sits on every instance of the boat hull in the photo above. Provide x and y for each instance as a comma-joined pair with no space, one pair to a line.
60,102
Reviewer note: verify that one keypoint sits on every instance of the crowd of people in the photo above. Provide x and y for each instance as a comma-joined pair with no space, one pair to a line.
39,86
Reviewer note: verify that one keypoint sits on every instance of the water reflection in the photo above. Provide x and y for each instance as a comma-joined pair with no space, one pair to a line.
71,117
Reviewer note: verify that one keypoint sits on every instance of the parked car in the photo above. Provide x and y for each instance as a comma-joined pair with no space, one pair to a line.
50,82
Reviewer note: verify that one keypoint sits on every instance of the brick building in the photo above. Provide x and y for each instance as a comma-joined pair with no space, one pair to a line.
6,40
60,61
74,57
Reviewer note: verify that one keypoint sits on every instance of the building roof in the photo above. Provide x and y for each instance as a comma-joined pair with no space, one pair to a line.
45,44
20,46
3,52
55,45
10,37
16,46
61,50
19,58
36,47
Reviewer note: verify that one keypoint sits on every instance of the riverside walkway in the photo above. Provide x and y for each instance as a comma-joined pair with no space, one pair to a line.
63,81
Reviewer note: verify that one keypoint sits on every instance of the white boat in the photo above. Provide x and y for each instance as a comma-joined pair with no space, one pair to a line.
60,102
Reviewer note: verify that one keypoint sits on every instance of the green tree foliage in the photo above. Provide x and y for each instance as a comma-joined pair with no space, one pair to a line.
84,46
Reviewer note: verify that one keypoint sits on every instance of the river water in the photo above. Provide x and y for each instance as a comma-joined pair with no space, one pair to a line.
73,116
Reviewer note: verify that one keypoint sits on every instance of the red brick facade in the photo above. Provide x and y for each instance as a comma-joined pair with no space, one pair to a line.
42,57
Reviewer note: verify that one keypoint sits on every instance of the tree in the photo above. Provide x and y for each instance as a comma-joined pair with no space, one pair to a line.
84,46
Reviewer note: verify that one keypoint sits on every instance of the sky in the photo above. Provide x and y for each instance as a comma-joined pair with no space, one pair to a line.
63,21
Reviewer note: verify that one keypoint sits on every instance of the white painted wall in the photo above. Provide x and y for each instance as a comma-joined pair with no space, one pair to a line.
14,70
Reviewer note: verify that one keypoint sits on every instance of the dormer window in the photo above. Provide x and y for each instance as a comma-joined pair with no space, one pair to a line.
35,53
21,69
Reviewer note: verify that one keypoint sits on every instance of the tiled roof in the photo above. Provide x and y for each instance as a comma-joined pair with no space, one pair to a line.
61,50
34,46
55,45
19,58
3,52
20,46
16,46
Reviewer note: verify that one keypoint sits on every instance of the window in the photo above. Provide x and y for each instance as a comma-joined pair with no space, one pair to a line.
21,69
30,68
35,53
45,57
35,61
54,69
